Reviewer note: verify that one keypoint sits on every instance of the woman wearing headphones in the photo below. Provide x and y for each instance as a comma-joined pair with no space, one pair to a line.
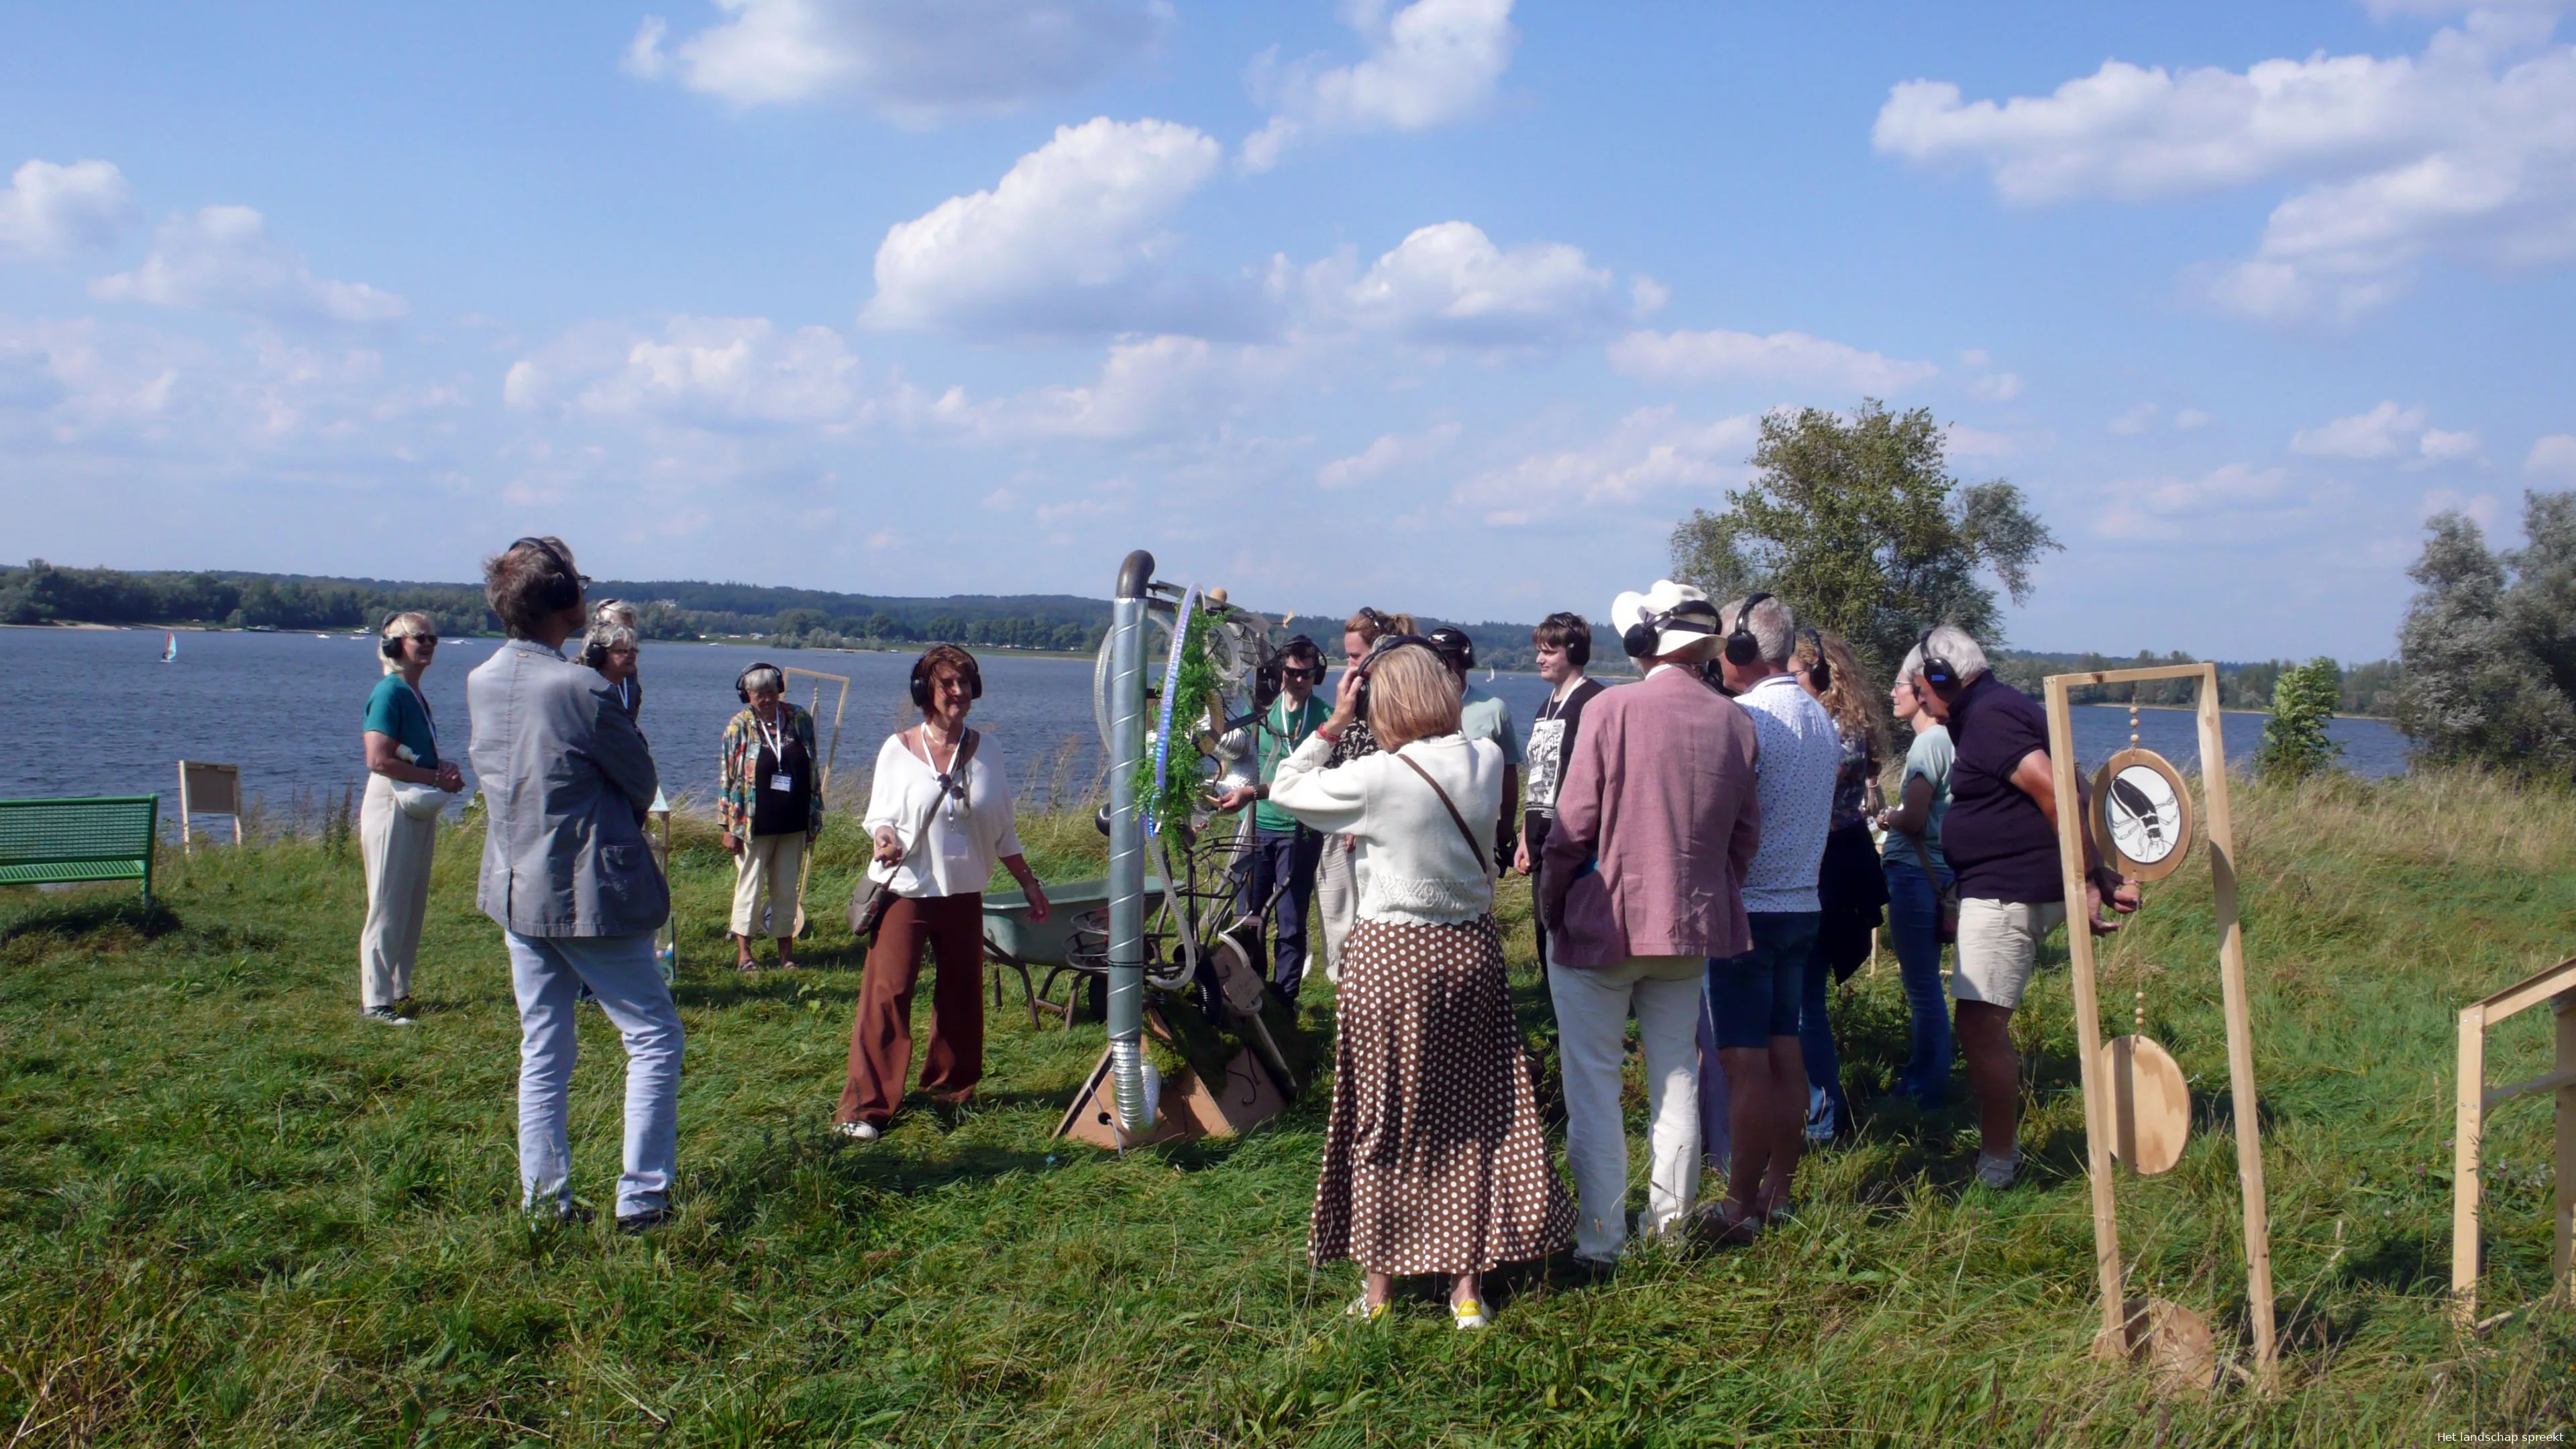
770,810
402,748
941,816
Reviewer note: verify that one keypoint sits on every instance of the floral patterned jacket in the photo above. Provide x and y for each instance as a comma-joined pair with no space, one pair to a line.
742,753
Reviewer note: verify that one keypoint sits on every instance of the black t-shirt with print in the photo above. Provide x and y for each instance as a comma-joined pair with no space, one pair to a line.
1551,745
783,812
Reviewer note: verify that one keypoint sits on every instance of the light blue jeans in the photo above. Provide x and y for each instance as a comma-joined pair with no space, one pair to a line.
548,973
1914,927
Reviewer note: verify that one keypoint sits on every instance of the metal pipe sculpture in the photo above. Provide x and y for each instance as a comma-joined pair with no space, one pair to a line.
1126,718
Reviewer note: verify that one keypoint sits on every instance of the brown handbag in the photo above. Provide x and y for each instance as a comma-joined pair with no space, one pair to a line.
874,897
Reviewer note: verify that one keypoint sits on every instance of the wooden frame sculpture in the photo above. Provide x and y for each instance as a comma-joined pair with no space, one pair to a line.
2557,986
823,768
2126,1327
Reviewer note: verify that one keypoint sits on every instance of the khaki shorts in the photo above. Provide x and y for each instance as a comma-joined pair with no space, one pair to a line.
1998,946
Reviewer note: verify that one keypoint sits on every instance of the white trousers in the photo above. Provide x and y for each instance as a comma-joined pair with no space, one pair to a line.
397,850
1592,1041
1337,900
771,862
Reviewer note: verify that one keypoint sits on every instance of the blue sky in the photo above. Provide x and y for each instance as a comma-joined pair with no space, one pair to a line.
1454,305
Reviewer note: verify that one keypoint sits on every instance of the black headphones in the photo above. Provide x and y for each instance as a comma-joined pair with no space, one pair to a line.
1936,672
1821,673
1385,645
389,646
566,591
1741,647
921,679
741,693
1639,638
1454,646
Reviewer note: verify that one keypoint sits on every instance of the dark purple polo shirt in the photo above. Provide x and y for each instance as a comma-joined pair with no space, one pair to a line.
1996,837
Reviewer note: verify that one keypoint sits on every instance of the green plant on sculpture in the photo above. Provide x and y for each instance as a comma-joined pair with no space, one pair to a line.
1194,690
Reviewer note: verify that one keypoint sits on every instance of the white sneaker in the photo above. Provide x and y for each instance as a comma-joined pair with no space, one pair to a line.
1998,1172
859,1131
386,1016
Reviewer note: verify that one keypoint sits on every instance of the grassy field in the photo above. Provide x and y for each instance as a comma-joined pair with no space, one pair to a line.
230,1212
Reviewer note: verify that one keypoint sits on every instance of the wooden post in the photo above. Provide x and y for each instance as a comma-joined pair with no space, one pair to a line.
2563,1261
186,846
2114,1341
2240,1033
2464,1165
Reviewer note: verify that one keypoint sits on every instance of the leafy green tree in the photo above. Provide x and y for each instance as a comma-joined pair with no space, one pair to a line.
2488,650
1859,525
2295,745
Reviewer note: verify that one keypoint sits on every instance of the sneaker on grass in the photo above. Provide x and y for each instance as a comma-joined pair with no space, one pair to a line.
1998,1172
386,1016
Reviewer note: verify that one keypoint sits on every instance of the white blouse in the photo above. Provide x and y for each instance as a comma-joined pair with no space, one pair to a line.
956,854
1414,867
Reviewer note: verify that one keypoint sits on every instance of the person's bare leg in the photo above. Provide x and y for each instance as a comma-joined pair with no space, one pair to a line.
1466,1286
1750,1119
742,953
1381,1287
787,953
1984,1031
1786,1066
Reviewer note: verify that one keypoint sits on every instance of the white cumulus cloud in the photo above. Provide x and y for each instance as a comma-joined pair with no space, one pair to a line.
223,259
1650,451
2386,431
2467,150
1429,64
1074,238
725,372
918,61
1449,285
50,210
1388,453
1791,357
2553,455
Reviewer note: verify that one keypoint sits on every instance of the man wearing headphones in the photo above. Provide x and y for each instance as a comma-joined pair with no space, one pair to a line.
1284,853
2000,835
1639,884
1754,996
566,779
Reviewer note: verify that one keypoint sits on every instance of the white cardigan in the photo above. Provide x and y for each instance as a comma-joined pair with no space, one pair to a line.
1413,866
957,854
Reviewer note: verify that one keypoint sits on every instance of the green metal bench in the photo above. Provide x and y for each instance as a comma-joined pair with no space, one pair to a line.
103,838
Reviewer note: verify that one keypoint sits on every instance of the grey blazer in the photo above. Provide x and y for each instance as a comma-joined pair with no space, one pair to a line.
566,778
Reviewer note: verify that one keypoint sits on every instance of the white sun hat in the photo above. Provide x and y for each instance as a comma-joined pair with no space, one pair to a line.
1669,607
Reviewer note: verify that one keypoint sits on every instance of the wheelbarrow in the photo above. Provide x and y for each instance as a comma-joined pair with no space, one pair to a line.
1072,941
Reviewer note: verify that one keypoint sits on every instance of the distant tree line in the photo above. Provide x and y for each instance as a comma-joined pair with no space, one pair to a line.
41,593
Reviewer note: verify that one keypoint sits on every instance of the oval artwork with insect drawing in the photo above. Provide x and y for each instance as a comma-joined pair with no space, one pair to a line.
2142,815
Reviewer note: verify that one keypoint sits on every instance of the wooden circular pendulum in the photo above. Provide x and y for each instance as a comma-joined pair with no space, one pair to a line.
2150,1103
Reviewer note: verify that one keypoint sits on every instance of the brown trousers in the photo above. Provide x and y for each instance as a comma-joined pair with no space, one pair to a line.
881,1033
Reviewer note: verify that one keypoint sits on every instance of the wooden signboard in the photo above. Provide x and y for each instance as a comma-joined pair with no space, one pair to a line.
822,767
208,790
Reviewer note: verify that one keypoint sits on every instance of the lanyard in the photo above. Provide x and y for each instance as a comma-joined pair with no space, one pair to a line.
1287,728
774,737
1556,703
626,694
953,790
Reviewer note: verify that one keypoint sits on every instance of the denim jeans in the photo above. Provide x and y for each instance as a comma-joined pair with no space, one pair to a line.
1828,1110
1913,926
1293,854
548,973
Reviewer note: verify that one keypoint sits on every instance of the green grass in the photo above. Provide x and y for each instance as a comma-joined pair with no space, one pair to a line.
231,1213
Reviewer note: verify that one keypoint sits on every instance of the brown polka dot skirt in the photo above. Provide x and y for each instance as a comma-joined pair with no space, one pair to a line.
1434,1161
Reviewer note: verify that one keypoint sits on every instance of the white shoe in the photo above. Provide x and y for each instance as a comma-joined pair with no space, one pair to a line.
386,1016
859,1131
1998,1172
1468,1313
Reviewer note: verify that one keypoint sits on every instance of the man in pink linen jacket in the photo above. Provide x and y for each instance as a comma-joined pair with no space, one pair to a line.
1642,882
1661,793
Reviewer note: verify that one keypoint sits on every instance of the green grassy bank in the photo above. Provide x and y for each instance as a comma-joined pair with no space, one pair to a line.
230,1212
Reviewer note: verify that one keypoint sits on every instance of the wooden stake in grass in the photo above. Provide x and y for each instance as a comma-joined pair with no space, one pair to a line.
2557,986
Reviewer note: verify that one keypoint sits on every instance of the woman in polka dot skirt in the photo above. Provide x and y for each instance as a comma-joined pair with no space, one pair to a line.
1434,1162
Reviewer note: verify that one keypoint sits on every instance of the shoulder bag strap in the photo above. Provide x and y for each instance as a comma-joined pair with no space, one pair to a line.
1473,849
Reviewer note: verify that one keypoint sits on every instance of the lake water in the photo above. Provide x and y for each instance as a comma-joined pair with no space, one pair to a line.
95,712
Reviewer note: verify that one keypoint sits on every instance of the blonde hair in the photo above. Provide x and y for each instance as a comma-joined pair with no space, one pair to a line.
411,624
1412,695
1372,625
1851,701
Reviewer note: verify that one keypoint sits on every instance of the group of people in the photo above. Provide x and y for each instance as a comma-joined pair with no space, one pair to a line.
1704,863
567,778
1699,840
